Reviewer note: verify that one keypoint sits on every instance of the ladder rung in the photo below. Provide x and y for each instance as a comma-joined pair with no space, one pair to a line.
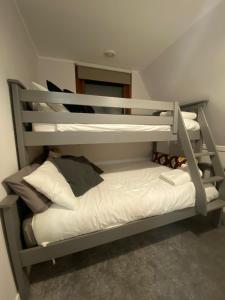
213,179
216,204
201,154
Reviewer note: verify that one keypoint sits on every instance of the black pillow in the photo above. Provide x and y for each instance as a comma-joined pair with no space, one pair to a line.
71,107
52,87
67,91
84,160
80,176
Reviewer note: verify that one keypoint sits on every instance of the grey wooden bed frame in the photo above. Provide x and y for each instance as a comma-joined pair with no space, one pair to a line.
12,209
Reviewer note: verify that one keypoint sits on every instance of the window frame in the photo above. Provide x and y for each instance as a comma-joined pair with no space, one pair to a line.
81,82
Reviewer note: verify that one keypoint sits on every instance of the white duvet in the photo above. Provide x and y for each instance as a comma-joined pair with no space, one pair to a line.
190,125
128,193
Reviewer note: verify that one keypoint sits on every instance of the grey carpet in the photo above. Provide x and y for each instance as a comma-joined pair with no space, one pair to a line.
185,260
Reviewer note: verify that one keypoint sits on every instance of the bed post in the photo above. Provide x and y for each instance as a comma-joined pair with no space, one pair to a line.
217,217
15,87
8,206
11,227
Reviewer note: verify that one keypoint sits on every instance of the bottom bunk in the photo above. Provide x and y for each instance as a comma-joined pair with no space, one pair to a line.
129,192
131,199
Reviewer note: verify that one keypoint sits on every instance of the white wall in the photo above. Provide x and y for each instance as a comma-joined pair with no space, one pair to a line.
62,73
17,61
194,68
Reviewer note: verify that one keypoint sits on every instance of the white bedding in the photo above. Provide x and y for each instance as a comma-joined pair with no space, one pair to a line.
190,125
128,193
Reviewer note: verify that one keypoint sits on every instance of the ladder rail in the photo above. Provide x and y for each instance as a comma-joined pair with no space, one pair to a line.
210,143
201,202
211,146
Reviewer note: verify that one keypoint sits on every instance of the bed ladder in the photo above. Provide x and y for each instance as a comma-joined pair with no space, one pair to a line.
218,178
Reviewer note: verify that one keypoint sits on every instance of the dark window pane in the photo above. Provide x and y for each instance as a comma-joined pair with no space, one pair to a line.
104,89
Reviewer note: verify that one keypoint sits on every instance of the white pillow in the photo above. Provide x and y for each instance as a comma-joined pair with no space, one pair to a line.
39,87
55,106
58,107
191,125
43,107
189,115
185,114
38,106
50,182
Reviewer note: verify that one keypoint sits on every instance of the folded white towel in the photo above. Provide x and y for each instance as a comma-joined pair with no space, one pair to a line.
185,114
176,177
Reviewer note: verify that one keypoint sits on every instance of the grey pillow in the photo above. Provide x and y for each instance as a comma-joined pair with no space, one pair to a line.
80,176
33,199
81,159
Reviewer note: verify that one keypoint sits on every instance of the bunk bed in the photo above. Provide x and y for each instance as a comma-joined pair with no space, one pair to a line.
147,128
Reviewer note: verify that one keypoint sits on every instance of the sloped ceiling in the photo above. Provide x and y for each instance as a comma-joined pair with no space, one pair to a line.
139,31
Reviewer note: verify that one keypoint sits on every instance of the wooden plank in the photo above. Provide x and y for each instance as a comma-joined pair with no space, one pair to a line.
78,99
216,204
194,103
202,154
67,118
194,135
57,249
213,179
73,138
175,117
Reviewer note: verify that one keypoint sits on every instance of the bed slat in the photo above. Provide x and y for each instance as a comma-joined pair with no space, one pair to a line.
72,138
66,98
67,118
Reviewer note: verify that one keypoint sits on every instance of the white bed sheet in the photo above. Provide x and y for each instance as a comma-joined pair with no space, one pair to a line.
190,125
128,193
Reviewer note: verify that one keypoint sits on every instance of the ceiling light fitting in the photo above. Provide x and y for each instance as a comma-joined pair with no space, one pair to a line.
110,53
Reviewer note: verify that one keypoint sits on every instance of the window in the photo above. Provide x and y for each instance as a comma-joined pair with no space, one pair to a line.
93,81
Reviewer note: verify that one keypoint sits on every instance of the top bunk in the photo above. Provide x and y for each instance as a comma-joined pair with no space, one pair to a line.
56,126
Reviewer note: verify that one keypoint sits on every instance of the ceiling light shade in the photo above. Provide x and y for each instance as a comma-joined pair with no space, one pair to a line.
110,53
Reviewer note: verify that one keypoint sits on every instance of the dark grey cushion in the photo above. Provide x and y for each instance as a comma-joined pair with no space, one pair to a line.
71,107
84,160
80,176
33,199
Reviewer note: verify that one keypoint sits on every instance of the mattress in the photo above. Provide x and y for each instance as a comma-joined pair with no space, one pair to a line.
190,125
129,192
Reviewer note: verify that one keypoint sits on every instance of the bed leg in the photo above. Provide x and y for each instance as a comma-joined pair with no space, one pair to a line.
22,282
13,241
218,217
